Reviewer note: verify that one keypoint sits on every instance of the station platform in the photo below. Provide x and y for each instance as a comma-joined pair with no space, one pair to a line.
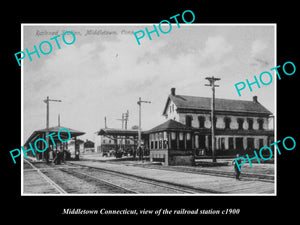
205,182
223,167
37,183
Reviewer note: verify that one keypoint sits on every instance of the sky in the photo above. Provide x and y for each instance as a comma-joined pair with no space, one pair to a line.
105,71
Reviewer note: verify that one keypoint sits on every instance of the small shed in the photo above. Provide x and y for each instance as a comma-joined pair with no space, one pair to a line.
172,143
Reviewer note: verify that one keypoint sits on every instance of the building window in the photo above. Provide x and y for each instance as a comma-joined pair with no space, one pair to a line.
196,141
188,136
181,141
230,143
173,135
239,143
250,124
180,136
260,124
188,141
165,135
173,140
152,145
250,143
201,121
150,137
227,121
188,120
240,122
222,143
165,143
215,120
201,141
261,143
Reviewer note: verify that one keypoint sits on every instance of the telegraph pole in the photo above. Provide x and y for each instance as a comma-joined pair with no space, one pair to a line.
122,120
140,121
47,116
126,115
105,125
212,84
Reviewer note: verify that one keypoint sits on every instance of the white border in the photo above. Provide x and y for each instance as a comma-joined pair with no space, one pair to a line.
147,24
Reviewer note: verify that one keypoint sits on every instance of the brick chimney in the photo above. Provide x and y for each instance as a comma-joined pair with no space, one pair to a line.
173,91
255,99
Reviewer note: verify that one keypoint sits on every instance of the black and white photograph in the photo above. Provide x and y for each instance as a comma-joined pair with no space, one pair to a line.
139,115
142,112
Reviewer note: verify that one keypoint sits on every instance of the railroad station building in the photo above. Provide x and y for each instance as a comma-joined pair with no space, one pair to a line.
172,143
241,127
118,139
72,147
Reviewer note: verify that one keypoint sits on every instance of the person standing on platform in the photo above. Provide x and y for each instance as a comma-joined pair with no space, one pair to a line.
143,152
134,153
236,169
55,156
58,157
47,154
139,152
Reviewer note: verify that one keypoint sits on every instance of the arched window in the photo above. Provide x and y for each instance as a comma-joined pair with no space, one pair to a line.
260,124
250,124
188,120
240,122
201,120
227,122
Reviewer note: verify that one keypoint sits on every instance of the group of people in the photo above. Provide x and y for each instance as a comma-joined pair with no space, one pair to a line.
141,152
58,156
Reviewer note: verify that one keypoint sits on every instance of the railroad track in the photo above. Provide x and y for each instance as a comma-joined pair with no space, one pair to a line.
91,178
113,182
50,181
136,181
86,177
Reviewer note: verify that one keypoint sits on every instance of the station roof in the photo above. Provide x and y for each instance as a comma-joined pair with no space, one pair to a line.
40,133
170,125
221,105
57,128
120,132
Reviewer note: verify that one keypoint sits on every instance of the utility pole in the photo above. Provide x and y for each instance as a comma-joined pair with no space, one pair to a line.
47,116
122,120
105,125
140,121
124,124
126,115
212,84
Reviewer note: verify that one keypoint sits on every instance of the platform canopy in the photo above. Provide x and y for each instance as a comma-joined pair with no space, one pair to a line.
121,132
42,133
170,125
118,132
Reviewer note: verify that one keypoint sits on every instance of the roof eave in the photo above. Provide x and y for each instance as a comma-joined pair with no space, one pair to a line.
247,113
